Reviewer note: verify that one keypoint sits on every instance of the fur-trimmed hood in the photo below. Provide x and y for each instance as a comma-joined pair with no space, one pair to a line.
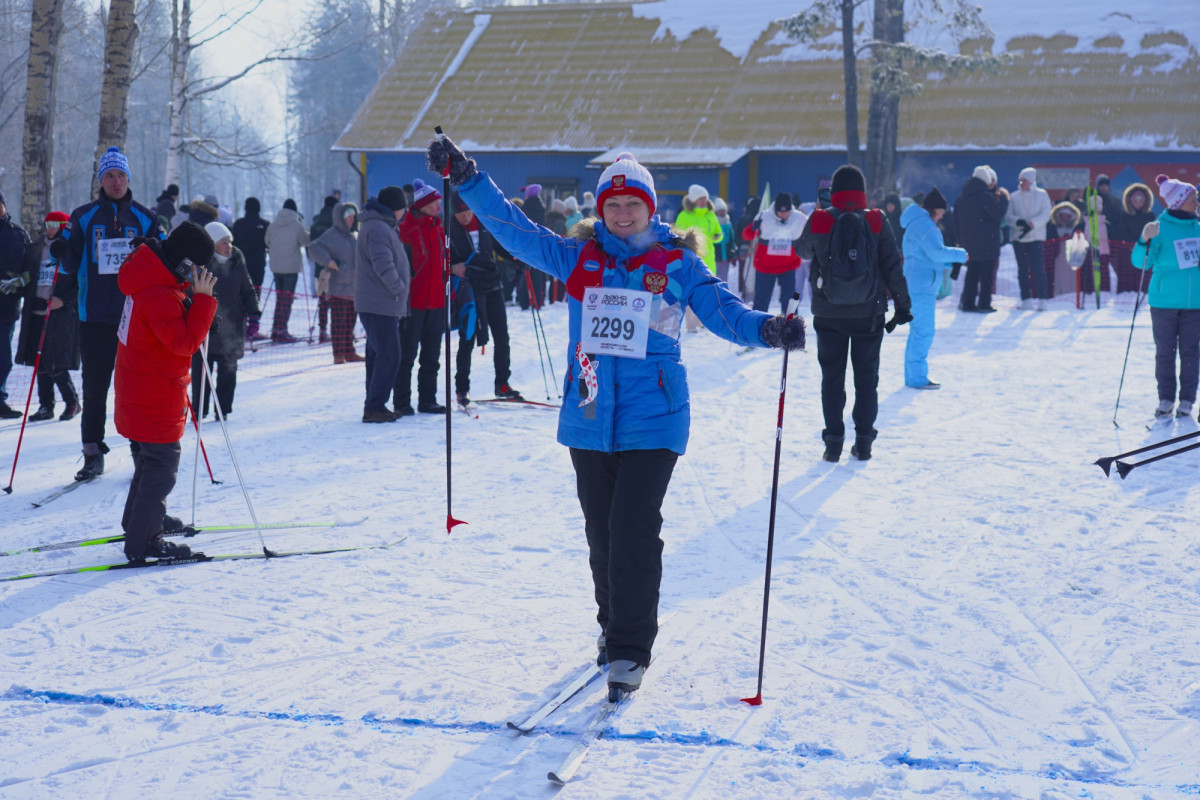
1129,191
689,240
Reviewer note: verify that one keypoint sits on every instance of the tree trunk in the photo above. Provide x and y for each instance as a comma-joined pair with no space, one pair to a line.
850,69
37,165
181,51
884,115
120,38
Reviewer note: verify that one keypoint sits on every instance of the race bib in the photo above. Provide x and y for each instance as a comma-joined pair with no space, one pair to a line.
1187,252
779,246
123,328
111,254
46,273
616,322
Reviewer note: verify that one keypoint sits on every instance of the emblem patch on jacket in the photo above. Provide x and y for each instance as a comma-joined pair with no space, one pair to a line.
655,282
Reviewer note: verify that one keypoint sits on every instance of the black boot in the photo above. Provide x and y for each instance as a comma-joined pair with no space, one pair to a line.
833,447
862,446
43,412
93,461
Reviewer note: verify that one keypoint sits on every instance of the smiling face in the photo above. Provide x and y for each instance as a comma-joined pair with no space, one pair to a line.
626,215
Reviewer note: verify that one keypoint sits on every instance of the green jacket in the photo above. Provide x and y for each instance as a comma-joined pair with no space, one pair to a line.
703,221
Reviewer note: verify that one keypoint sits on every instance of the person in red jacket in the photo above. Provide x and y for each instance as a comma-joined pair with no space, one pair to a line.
160,329
422,233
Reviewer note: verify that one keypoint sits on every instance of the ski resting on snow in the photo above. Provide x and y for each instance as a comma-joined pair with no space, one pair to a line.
581,680
186,531
198,558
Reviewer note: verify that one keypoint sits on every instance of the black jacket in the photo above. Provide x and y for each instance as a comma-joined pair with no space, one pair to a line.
482,270
813,244
61,347
235,301
250,236
978,215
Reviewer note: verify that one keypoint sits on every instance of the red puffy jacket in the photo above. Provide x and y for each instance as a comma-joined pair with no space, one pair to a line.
424,234
157,337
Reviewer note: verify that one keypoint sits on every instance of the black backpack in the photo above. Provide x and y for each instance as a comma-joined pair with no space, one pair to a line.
848,274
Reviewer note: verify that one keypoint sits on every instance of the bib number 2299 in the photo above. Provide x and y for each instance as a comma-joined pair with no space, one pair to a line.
613,328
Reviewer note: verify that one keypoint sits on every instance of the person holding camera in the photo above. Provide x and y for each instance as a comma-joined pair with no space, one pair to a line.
160,329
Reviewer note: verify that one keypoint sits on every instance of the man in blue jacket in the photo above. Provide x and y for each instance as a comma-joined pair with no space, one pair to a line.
93,248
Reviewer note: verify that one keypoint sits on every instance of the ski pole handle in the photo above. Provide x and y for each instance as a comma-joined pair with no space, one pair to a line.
793,305
437,129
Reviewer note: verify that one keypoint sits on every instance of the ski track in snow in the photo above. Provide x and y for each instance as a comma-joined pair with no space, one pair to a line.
976,612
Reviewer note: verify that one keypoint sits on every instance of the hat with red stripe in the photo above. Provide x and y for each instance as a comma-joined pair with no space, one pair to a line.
626,176
424,194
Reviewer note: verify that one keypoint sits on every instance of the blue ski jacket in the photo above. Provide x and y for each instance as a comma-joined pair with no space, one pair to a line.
925,251
100,299
1173,284
613,403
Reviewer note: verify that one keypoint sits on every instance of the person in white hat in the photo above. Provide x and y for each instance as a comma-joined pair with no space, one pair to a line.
1028,213
629,280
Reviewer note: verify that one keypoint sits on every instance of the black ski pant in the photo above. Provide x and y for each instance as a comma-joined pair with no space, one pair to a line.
383,358
285,294
1031,269
977,286
155,468
497,322
1176,330
421,330
98,354
621,495
224,370
857,340
46,381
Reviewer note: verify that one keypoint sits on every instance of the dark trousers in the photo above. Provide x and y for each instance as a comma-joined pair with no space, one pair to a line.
857,340
1176,330
224,369
46,381
764,286
9,313
535,278
155,468
421,330
98,354
257,271
285,294
621,495
341,329
383,358
497,322
977,285
1031,269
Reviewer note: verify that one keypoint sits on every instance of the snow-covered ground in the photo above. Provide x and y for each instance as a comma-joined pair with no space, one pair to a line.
976,612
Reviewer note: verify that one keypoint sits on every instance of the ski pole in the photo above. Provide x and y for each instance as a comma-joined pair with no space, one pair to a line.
1136,304
203,449
33,379
233,457
533,311
762,641
450,520
1106,463
1124,469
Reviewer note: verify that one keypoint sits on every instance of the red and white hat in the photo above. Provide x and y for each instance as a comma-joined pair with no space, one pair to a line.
424,194
1174,193
626,176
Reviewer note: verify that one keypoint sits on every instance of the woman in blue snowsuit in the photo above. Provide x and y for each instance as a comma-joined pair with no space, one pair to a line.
925,257
625,412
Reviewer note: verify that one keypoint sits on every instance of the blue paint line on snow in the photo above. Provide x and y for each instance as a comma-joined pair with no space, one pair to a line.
804,752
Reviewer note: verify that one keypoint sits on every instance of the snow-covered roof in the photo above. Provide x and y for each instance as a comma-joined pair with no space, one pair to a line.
675,156
714,77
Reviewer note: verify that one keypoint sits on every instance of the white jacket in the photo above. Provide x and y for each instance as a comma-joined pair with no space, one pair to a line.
1032,206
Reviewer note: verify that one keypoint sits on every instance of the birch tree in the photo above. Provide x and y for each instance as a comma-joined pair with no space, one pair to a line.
37,163
120,39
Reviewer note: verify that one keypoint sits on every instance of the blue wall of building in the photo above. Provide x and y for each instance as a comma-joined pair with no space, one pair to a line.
799,172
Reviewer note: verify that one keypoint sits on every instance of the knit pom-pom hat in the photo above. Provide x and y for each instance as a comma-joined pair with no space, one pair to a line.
1174,193
113,158
424,194
626,176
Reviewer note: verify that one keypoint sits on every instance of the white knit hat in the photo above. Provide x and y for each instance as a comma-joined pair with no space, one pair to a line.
216,231
1174,193
696,193
981,172
1028,174
626,176
720,205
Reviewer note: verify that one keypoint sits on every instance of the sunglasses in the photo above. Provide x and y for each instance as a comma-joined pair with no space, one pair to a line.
54,225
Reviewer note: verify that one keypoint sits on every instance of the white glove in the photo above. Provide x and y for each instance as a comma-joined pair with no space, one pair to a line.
1150,231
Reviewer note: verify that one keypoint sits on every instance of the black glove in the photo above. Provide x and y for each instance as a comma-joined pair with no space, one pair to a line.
481,334
783,332
954,272
1024,227
59,248
899,317
442,150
